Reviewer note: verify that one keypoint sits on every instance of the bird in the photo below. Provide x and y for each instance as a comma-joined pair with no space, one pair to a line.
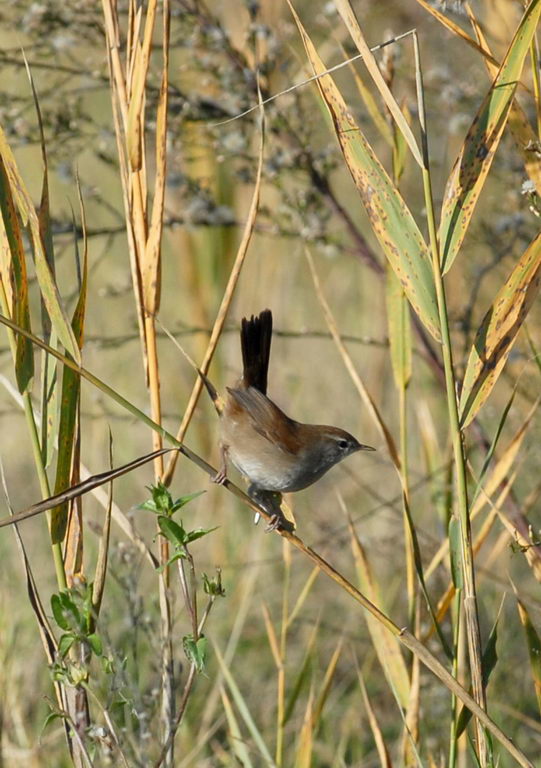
273,451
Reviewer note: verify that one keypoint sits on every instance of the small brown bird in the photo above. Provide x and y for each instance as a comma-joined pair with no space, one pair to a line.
275,453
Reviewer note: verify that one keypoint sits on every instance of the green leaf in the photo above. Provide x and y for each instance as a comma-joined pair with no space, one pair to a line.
162,499
58,612
51,717
198,533
475,159
65,643
398,319
65,612
148,505
498,331
391,220
172,531
69,407
301,682
186,499
94,641
195,651
177,556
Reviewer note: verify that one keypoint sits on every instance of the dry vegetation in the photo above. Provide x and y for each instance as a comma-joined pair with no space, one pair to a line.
137,215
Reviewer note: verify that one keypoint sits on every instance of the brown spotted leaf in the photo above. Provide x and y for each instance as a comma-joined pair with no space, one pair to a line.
475,158
498,331
390,217
29,218
14,279
523,134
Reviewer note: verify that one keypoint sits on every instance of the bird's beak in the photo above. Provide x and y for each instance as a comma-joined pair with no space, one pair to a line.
361,447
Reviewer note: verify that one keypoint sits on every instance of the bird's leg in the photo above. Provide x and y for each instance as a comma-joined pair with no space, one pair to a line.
270,501
221,475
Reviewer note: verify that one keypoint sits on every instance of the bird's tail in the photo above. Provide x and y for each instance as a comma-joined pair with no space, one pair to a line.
255,341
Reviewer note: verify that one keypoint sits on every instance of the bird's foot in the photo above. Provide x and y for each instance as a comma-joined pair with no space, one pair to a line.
278,523
270,501
219,478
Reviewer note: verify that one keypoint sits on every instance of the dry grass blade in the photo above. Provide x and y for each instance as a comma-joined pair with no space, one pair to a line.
7,247
385,432
391,219
119,99
410,738
370,103
122,521
326,685
48,639
304,674
244,710
383,752
348,17
523,133
471,168
498,331
534,645
47,634
98,585
152,263
136,89
386,647
306,736
458,31
225,304
305,591
78,490
236,741
494,479
348,362
271,634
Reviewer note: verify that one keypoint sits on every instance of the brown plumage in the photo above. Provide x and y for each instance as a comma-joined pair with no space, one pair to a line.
275,452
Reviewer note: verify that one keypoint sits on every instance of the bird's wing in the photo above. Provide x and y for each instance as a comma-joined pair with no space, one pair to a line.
267,419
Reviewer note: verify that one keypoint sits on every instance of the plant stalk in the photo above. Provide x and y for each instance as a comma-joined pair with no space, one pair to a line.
470,597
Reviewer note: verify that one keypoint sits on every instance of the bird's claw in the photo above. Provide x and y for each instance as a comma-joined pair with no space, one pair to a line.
276,523
219,478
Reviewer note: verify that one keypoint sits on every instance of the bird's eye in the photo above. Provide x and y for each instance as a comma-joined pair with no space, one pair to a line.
343,444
